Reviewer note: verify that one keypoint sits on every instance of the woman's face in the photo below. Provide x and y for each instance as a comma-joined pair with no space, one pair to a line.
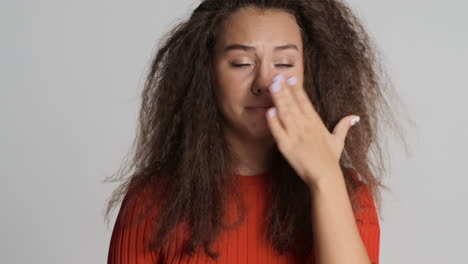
250,50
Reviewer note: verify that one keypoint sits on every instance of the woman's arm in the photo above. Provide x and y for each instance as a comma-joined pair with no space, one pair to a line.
337,236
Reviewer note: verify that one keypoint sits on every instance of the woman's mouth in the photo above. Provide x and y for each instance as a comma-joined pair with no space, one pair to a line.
258,109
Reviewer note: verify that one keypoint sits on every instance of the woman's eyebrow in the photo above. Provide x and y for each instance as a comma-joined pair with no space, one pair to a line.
250,48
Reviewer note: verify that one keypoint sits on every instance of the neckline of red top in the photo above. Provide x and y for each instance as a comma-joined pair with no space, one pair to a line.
253,179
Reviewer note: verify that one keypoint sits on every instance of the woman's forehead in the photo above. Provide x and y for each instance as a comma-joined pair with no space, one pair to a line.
252,27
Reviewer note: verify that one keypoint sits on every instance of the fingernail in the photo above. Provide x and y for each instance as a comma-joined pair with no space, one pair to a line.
292,81
278,78
272,112
276,86
355,120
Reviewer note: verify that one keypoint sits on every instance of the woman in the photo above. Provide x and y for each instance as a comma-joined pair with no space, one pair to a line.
246,151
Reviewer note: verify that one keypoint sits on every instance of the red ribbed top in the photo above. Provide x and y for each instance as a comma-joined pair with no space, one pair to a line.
245,244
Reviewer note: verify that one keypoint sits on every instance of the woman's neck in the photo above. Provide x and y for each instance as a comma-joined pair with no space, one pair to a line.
251,157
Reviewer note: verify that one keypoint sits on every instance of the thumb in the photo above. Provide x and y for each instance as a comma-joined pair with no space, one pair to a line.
342,128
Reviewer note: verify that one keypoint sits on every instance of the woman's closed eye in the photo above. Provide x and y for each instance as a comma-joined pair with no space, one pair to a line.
245,65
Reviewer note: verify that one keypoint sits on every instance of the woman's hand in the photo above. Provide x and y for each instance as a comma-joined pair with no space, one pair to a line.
301,135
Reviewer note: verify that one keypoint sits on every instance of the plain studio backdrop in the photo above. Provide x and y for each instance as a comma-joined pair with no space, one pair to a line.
71,73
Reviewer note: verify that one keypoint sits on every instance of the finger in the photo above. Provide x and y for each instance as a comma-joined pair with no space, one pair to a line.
285,103
303,101
274,123
342,128
306,105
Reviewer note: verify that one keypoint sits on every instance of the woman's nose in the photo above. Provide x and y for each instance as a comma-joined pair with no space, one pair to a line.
262,82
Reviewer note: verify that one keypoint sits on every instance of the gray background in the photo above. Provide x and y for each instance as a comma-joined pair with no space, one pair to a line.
71,76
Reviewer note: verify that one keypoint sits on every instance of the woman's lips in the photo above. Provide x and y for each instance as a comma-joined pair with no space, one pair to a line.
259,106
258,109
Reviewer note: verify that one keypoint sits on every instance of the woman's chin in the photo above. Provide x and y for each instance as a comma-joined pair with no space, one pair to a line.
261,133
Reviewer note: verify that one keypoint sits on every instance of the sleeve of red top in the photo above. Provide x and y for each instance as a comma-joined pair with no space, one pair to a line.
129,243
368,224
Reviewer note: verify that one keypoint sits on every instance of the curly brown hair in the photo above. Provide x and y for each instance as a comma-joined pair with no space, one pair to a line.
180,148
